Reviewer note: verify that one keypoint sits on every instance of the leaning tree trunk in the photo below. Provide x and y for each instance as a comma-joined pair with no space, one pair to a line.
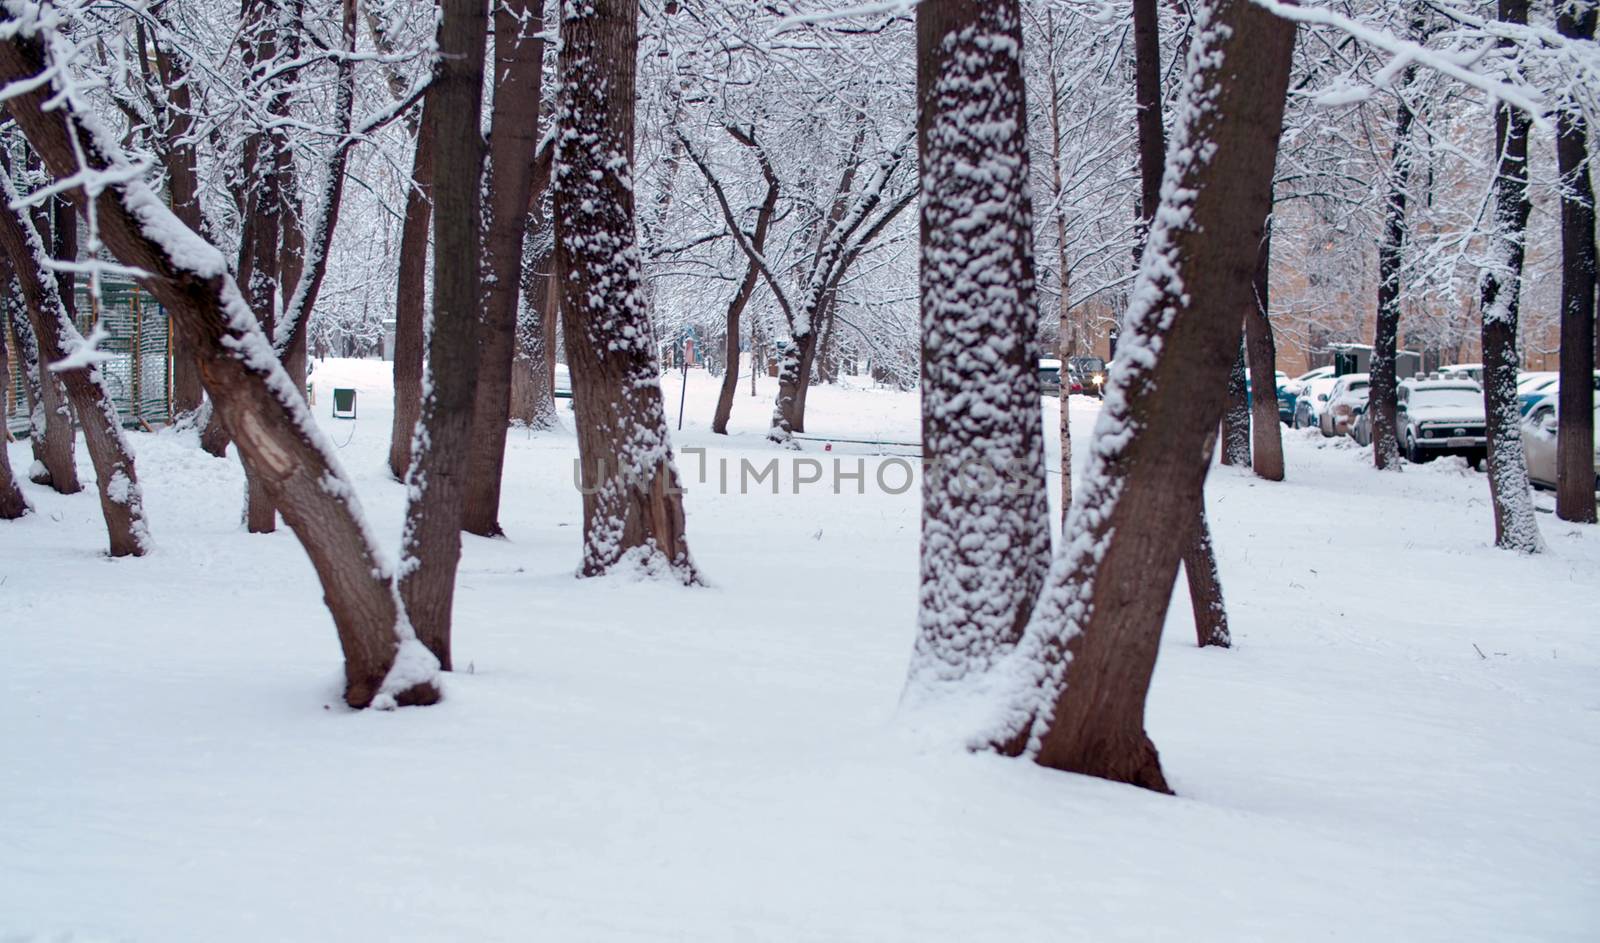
430,546
1382,399
49,416
513,138
632,501
1515,527
121,500
1575,484
741,298
1085,663
410,303
1236,416
276,437
1266,431
985,516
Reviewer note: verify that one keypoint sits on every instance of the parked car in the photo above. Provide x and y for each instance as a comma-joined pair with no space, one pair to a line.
1349,394
1538,386
1088,375
1313,399
1050,377
1441,417
1361,425
1539,443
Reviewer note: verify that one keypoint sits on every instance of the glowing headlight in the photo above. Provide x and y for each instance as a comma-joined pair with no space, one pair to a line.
1099,378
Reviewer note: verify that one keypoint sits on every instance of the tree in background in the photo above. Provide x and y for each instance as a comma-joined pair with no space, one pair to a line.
1575,486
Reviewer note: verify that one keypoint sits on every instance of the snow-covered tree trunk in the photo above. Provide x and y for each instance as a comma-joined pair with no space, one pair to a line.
49,415
121,500
180,159
410,302
1515,527
1575,485
1236,416
747,287
436,485
1382,399
12,504
1266,431
985,516
513,138
1205,587
1083,668
533,404
384,664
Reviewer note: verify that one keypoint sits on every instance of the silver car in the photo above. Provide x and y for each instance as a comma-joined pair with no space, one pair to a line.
1539,443
1441,417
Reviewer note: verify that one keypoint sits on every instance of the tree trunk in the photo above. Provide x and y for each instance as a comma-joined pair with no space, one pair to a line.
632,501
1575,475
1515,527
1266,431
1236,417
1382,398
410,302
985,517
1091,646
741,298
183,181
12,504
513,138
533,403
121,500
276,437
430,545
1205,586
49,417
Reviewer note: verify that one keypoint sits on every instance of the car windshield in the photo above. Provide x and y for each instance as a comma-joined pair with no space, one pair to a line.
1355,386
1446,398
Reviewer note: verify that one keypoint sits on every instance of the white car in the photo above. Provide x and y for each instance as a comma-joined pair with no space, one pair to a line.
1345,400
1441,417
1539,443
1313,401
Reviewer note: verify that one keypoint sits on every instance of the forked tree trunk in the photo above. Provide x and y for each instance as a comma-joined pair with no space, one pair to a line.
1086,661
632,500
121,500
49,416
1266,431
277,438
1575,484
1382,398
1515,527
410,303
1236,415
513,138
985,515
741,298
430,545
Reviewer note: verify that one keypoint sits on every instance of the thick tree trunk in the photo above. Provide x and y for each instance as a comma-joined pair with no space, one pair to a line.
533,404
513,138
1382,398
410,302
430,546
985,516
1266,431
49,416
1575,484
1091,647
1515,527
632,500
1236,416
121,500
384,664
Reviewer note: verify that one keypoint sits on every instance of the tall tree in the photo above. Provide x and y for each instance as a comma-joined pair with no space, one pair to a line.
632,501
121,500
1085,662
1514,525
1266,431
430,546
1575,485
384,663
410,301
1382,399
985,516
513,139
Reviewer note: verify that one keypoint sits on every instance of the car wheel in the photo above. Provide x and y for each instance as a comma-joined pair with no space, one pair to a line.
1413,454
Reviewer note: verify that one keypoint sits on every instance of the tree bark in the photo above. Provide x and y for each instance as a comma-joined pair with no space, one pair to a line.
49,416
430,546
12,503
985,516
384,664
183,182
1575,484
513,138
1266,430
121,501
1382,397
1091,647
1236,417
1205,586
1515,527
533,404
632,501
410,302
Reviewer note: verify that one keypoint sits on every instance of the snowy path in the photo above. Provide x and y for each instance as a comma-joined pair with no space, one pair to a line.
627,761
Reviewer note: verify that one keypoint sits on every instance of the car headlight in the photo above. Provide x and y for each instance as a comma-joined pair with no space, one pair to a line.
1099,379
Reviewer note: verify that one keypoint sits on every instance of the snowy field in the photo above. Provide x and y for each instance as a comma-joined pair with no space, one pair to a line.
1404,745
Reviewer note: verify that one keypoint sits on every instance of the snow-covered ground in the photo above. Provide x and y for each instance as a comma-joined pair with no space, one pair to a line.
1405,744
